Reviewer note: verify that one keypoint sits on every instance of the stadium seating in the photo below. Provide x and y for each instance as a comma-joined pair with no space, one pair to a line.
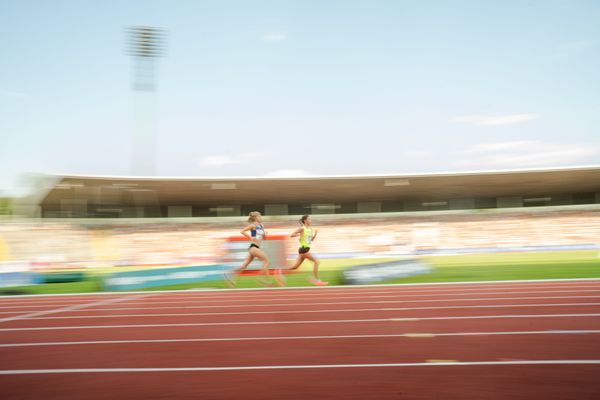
49,244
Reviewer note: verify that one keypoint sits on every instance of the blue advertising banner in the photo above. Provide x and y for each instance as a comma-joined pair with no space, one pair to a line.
372,273
9,279
131,280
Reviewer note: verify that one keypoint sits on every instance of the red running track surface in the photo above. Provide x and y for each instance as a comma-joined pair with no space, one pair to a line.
462,341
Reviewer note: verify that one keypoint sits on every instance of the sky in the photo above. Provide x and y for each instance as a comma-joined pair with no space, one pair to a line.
301,88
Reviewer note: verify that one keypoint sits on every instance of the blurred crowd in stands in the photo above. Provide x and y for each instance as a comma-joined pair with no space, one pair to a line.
49,244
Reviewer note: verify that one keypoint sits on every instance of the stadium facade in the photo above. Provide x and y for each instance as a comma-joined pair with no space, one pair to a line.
84,196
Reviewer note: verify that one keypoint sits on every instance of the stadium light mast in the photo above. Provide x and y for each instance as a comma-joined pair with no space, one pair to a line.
145,44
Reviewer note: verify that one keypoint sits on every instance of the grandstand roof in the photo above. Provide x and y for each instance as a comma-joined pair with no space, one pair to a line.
269,190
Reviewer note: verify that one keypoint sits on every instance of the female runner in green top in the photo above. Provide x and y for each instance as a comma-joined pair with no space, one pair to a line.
307,234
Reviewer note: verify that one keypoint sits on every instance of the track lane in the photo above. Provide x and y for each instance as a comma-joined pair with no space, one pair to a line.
551,382
574,346
521,381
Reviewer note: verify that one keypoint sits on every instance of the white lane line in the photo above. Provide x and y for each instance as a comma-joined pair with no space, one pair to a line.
320,337
400,296
341,303
194,295
397,291
151,306
220,295
316,366
334,321
39,306
521,282
71,308
397,295
43,300
342,310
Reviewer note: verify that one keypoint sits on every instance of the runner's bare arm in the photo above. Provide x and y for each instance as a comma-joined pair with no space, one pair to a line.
244,231
297,232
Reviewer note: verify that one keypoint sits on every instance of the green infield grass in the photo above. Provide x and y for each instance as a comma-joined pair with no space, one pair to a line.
448,268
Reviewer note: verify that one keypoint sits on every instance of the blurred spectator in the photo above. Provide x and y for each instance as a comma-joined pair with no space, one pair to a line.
65,245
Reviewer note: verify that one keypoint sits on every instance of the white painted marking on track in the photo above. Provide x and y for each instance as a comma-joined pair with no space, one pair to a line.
319,337
396,291
269,301
152,307
43,300
521,282
71,308
498,316
192,295
275,367
38,306
399,296
343,303
342,310
334,321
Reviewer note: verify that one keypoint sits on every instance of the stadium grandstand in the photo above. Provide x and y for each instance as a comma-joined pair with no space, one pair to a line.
87,220
78,196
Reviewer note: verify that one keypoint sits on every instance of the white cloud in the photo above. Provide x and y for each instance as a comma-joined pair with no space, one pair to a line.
484,120
524,154
274,37
289,173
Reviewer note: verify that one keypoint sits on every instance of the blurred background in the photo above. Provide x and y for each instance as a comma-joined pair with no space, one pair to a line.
136,136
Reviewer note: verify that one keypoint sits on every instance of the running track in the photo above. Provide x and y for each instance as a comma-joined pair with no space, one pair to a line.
517,340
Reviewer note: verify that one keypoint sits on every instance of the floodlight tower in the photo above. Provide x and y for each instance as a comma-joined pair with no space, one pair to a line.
145,44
